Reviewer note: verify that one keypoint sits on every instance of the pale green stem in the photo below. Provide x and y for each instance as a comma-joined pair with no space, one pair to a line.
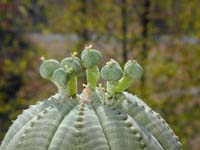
121,85
72,85
70,89
111,85
63,91
92,77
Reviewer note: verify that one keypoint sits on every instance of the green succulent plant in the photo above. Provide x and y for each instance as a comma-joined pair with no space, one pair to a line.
97,119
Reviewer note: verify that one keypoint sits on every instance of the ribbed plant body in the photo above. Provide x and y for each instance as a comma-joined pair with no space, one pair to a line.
96,119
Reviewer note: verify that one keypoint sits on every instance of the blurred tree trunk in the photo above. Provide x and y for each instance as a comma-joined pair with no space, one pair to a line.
84,35
124,18
144,21
37,12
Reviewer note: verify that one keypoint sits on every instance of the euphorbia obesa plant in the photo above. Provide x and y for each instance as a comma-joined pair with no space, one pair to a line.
97,119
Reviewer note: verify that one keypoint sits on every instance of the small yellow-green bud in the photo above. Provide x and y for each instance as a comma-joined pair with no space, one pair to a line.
133,69
112,71
73,63
90,58
48,67
60,77
74,56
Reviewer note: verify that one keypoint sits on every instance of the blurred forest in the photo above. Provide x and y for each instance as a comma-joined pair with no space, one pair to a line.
164,36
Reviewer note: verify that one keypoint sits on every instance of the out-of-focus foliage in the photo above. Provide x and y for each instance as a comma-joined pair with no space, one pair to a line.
18,61
31,28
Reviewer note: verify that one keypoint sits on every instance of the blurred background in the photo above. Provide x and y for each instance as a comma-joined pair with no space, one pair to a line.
164,36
